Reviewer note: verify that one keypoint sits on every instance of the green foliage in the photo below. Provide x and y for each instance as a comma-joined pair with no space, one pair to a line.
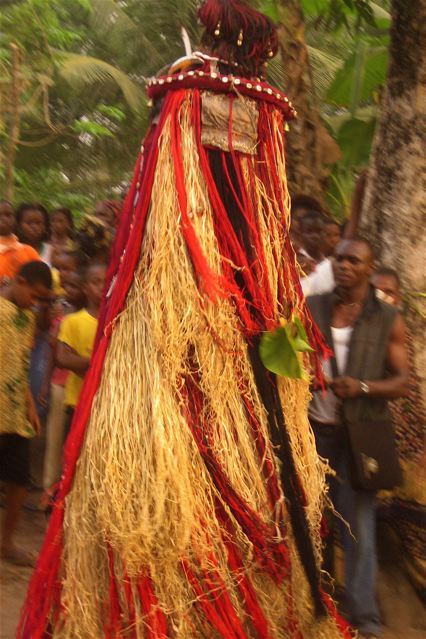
269,8
112,112
348,48
92,128
52,188
83,107
363,72
335,13
354,138
83,70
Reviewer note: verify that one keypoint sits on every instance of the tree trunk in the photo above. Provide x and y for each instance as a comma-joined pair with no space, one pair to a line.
395,203
309,145
16,86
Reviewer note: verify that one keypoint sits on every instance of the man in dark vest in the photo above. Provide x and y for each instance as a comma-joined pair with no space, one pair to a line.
370,367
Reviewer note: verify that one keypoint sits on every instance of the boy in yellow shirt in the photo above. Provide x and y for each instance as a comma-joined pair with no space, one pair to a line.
77,335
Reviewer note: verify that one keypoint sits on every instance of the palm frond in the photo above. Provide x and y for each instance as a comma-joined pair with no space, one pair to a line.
78,69
324,68
380,12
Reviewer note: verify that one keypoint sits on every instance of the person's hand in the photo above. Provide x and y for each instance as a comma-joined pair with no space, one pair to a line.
43,395
306,264
346,387
32,415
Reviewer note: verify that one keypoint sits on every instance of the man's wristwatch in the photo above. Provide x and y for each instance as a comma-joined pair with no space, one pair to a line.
365,389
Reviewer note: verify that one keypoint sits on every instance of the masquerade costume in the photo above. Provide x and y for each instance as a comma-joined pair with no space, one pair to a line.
191,500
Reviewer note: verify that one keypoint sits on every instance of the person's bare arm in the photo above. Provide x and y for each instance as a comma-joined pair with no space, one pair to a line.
66,357
397,363
32,415
44,390
352,226
394,386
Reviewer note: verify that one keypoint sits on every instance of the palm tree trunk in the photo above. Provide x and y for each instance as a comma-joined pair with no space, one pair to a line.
395,202
309,146
15,121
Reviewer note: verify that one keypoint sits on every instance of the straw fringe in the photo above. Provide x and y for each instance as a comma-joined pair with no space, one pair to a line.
142,494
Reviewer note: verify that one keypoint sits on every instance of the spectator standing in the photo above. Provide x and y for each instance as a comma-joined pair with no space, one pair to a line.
312,237
331,236
405,508
370,367
77,335
13,254
53,390
68,263
300,205
94,239
388,286
62,232
313,256
33,228
108,211
19,421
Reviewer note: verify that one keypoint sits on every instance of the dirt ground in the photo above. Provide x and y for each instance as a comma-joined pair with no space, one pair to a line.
404,615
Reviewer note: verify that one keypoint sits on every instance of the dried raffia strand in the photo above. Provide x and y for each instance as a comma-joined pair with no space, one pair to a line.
134,490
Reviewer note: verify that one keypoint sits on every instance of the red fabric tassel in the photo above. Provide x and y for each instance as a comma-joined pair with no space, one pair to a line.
130,630
341,623
229,245
223,604
269,471
112,629
270,553
208,281
156,622
213,615
247,591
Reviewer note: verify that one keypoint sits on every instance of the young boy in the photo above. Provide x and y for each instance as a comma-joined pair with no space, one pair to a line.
77,335
19,422
13,254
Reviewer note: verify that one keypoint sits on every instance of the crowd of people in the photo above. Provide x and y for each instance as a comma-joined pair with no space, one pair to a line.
52,276
51,282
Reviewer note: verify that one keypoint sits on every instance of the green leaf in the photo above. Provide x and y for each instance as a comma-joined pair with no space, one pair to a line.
301,342
340,191
269,8
380,13
115,113
279,349
92,128
278,354
367,75
337,120
355,138
314,7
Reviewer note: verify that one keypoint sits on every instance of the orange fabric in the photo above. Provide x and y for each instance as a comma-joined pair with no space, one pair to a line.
13,255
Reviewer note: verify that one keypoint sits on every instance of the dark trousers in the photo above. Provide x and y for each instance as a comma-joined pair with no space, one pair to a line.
357,507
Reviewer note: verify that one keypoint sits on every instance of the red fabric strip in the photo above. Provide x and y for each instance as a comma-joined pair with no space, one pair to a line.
112,629
270,552
213,616
155,619
208,281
